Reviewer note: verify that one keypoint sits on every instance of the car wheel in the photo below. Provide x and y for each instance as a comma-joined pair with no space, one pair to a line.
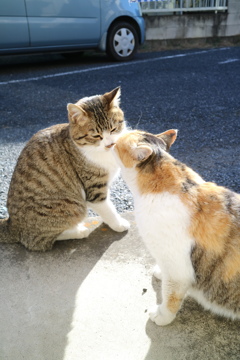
122,41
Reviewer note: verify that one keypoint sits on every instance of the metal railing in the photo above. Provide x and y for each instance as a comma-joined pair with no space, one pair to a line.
180,6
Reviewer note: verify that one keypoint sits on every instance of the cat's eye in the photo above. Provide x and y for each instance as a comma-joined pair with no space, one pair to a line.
113,130
97,137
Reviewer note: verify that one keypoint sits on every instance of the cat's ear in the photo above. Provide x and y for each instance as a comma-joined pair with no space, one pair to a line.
113,97
76,114
141,152
168,137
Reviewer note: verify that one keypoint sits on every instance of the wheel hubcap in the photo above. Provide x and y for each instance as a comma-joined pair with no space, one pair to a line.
124,42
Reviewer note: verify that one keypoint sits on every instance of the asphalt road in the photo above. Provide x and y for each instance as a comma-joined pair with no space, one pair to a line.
196,91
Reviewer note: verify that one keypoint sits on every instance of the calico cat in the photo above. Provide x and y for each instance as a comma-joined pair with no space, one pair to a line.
61,171
191,227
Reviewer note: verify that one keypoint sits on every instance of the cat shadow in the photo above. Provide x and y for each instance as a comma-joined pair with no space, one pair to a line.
156,285
38,293
194,334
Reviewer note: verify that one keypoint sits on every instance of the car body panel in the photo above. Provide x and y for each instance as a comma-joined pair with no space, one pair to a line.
48,31
61,22
62,25
13,24
12,8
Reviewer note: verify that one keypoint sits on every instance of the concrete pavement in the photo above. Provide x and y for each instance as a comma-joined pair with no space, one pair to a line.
89,300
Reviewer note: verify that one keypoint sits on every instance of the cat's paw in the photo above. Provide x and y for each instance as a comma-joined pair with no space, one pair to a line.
160,317
77,232
121,225
82,232
157,272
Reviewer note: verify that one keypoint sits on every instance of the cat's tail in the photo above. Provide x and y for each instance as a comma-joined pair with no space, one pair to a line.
5,233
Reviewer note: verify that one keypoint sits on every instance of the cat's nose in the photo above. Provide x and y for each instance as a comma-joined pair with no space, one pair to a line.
110,145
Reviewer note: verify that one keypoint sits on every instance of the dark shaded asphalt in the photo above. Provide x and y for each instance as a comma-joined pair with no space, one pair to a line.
195,91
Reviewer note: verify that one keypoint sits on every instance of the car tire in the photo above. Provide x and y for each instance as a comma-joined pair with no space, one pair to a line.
122,41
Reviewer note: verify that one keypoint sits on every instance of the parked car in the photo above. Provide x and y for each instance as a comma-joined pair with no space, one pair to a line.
114,26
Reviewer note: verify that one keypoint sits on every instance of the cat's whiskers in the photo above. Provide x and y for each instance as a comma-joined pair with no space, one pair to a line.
140,117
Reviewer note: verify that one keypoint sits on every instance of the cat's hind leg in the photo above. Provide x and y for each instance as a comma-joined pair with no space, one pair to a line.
78,231
43,241
37,241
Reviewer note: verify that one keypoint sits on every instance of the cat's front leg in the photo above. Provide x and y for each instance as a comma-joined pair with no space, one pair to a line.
109,215
161,315
172,296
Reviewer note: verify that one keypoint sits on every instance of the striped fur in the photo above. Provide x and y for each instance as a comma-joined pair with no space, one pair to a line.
57,176
190,226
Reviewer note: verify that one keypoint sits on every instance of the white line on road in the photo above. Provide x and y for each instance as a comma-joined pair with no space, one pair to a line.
228,61
107,67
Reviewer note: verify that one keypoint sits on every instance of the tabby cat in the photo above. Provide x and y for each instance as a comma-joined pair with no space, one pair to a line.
191,227
61,171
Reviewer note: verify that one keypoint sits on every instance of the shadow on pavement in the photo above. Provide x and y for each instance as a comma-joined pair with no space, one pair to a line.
89,300
37,294
194,334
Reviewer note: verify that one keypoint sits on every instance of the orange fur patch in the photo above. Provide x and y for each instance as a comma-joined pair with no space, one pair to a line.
124,148
174,302
164,178
210,223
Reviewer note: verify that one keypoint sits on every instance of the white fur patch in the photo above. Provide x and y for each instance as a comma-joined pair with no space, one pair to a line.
163,222
77,232
102,156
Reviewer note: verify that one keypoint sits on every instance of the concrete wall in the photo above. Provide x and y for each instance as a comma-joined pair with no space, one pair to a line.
195,25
